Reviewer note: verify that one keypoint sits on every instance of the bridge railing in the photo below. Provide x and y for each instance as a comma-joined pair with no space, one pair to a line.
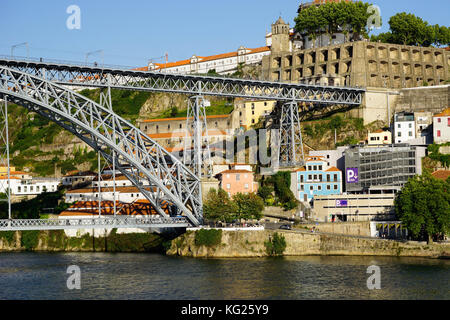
90,223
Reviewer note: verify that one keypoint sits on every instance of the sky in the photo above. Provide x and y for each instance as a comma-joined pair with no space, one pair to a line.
132,32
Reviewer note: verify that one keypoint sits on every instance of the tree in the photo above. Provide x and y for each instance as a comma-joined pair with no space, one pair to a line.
408,29
249,206
218,206
334,17
281,182
423,205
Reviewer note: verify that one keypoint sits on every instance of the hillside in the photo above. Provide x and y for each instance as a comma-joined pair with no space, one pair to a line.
46,149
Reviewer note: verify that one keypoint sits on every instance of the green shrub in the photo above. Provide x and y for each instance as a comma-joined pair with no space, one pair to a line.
29,239
276,245
8,236
208,238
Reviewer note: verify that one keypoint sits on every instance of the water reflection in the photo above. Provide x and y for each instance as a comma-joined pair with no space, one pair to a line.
156,277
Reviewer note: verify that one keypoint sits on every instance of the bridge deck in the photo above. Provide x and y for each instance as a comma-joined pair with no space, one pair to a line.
92,223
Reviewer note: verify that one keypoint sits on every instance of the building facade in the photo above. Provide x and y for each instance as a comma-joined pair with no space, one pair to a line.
237,181
379,137
441,127
314,179
357,63
354,207
222,63
373,166
251,112
404,127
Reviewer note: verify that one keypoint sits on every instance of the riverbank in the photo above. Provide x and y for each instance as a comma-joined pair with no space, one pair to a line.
57,241
251,244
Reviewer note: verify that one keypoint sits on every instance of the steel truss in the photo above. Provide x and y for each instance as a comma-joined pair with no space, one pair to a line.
291,152
4,153
93,223
79,75
197,153
158,175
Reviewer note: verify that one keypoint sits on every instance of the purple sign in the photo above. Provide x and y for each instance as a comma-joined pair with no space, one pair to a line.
341,203
352,175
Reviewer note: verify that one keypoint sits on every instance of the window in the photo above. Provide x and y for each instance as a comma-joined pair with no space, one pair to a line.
335,177
315,177
399,126
309,177
315,168
319,188
448,122
335,187
410,134
246,186
410,125
399,134
439,120
228,186
238,177
320,168
19,189
181,126
328,187
302,188
301,178
439,133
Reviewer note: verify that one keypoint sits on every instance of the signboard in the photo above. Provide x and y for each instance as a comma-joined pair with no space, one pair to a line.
352,175
341,203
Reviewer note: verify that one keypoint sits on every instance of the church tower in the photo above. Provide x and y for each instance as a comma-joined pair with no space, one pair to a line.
280,36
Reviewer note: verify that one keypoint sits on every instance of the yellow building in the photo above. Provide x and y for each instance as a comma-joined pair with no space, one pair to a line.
379,137
250,112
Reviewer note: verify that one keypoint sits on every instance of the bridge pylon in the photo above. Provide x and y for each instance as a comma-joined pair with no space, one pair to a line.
197,153
291,153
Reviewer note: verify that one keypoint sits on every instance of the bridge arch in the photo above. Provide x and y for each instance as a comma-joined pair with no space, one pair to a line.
159,175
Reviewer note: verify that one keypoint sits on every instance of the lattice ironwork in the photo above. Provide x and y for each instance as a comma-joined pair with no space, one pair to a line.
93,223
91,76
158,175
197,154
291,144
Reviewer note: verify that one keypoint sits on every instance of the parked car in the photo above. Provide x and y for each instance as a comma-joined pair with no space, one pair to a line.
286,227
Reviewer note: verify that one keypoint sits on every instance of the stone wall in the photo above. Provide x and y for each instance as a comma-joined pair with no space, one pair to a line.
248,244
347,228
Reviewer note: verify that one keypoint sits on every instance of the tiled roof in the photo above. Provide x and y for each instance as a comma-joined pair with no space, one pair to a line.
167,135
221,116
235,171
445,113
90,208
208,58
130,189
332,169
441,174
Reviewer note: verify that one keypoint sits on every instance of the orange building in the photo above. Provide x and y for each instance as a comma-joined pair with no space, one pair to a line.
237,181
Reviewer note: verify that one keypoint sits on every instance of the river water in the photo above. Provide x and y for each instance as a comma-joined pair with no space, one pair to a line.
158,277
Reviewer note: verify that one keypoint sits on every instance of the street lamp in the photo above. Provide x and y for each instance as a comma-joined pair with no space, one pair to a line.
18,45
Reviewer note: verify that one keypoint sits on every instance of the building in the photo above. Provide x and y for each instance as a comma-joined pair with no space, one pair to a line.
237,181
404,127
76,178
441,127
379,137
251,112
334,158
221,63
354,207
357,63
28,186
123,194
314,179
388,166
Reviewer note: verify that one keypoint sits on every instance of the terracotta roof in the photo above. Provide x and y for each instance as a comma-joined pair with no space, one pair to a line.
183,118
445,113
11,178
441,174
208,58
300,169
317,158
90,208
167,135
130,189
77,173
234,171
333,169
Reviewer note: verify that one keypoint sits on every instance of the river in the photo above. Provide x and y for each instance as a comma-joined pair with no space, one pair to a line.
158,277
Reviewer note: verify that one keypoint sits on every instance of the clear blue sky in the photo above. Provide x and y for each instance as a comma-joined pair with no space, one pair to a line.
133,31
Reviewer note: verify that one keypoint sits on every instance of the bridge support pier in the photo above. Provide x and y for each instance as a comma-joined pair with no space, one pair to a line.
5,184
291,152
197,154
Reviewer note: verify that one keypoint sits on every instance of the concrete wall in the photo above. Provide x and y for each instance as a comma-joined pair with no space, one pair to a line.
249,244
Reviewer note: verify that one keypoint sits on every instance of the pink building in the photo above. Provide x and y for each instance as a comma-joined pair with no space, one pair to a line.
235,181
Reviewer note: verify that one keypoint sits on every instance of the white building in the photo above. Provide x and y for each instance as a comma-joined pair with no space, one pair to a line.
222,63
404,127
28,186
441,127
123,194
74,178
